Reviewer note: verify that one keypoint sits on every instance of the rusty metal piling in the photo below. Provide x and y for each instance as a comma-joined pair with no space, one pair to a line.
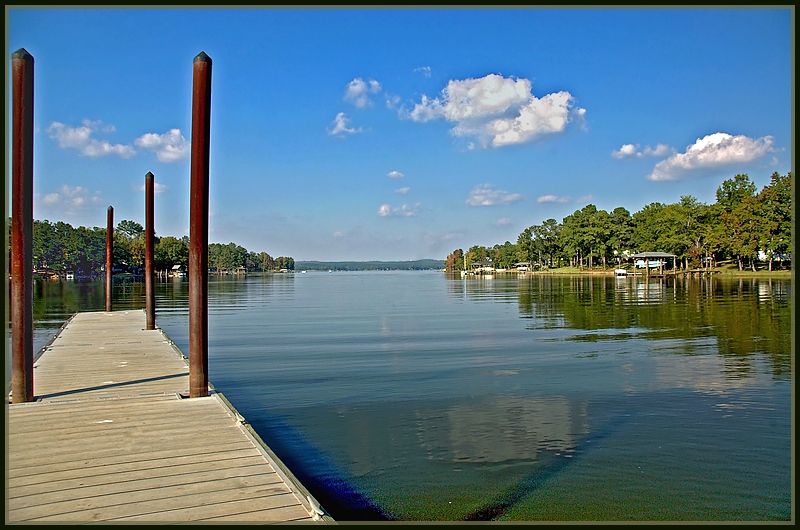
22,228
149,270
109,255
198,227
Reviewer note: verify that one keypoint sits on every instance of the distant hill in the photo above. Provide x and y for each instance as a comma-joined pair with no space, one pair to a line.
420,264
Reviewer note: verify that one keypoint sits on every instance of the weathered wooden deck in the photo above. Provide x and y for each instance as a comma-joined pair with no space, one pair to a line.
111,439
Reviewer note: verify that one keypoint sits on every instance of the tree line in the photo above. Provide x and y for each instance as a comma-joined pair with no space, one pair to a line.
743,225
59,247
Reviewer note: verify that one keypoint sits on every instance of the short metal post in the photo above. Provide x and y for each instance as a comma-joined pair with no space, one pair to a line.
109,255
22,228
198,227
149,271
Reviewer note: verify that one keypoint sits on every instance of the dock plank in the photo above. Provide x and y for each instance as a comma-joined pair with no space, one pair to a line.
111,438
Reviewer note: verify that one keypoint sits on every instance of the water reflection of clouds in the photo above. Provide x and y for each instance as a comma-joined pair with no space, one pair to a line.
467,435
703,373
503,429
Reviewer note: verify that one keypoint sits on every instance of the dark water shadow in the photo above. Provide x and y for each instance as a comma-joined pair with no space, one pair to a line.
334,493
528,485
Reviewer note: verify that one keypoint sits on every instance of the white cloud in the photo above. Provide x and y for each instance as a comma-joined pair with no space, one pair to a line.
358,91
504,221
169,147
395,175
399,211
585,198
547,115
484,195
70,200
709,153
552,198
340,123
402,191
80,138
426,70
625,151
659,150
629,150
497,110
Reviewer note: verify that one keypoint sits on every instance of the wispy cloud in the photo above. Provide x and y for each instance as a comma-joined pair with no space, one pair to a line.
80,138
340,126
485,195
709,153
631,150
168,147
358,92
405,210
392,101
503,221
395,175
498,111
70,200
426,70
585,198
552,198
402,191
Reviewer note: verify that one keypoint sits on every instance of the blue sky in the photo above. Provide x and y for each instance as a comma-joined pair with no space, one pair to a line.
401,134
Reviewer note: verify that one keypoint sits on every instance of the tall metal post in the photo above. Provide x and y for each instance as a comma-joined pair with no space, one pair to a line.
149,271
109,255
198,227
22,228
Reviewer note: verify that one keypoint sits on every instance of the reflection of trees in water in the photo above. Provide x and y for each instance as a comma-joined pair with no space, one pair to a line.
62,298
748,317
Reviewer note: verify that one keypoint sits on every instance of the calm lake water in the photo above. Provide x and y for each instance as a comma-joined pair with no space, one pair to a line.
424,396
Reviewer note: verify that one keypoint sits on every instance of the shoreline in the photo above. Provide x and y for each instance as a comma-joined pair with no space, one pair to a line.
719,272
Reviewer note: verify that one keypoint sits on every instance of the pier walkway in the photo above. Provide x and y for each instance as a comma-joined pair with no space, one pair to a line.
110,438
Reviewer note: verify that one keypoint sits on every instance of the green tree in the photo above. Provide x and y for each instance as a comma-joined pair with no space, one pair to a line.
284,262
549,233
620,232
596,233
647,228
733,191
571,238
89,256
170,251
265,261
682,229
122,254
775,211
48,249
477,253
743,230
504,256
129,229
526,249
455,260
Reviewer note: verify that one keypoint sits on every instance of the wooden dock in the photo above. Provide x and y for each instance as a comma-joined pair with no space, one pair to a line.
110,438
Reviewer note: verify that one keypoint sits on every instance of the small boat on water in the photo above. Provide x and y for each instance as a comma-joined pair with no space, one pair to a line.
620,272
